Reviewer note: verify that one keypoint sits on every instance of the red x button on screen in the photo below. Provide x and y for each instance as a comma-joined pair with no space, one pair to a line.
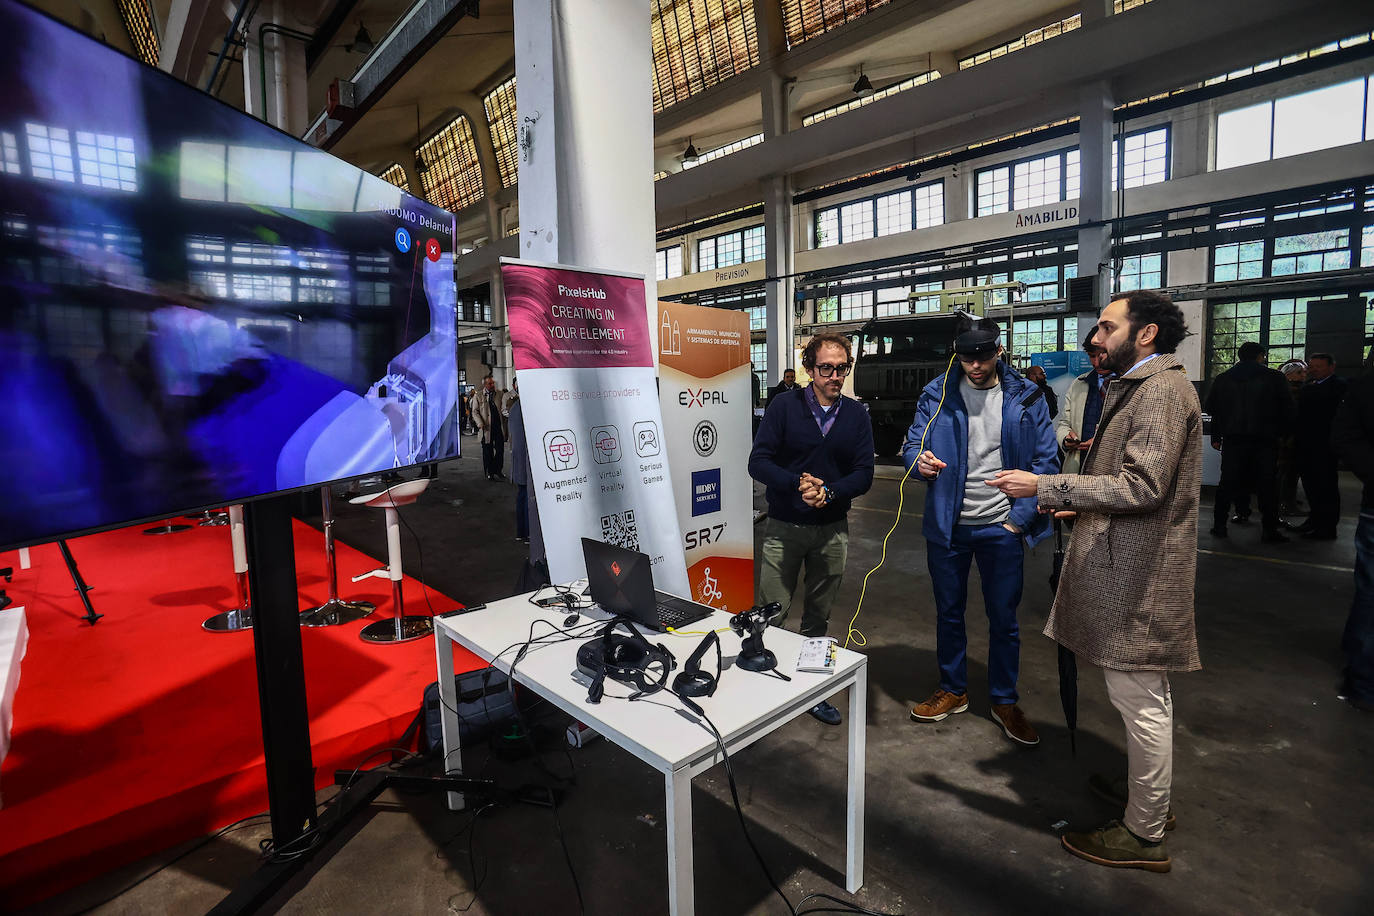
432,249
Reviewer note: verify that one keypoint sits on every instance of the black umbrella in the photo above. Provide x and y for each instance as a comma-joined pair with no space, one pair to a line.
1068,664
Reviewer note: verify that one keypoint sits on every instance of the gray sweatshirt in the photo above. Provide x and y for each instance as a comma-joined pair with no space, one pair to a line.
983,505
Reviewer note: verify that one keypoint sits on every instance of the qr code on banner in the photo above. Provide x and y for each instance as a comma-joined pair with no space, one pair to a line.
619,529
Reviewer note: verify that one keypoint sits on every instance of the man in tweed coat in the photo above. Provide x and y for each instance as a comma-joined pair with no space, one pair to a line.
1125,599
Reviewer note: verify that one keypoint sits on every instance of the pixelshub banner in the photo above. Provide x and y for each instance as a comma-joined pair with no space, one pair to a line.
590,403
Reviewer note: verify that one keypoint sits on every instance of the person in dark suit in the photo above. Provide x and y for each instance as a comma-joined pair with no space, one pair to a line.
1250,408
1353,437
1317,403
788,383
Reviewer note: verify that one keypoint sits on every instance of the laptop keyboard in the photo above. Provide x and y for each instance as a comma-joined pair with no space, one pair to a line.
674,616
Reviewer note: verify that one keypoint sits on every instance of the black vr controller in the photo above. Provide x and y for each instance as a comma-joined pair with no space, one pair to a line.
750,625
629,658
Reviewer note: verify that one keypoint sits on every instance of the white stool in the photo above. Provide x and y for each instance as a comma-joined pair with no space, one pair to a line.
400,628
334,611
241,617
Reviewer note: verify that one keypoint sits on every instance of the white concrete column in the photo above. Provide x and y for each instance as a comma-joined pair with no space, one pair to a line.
777,236
1095,186
585,122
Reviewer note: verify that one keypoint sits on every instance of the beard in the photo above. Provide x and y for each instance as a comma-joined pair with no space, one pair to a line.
1122,358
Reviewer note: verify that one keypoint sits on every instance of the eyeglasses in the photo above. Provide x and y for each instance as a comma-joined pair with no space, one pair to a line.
825,370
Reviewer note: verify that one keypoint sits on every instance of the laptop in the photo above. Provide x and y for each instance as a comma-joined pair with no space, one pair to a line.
622,583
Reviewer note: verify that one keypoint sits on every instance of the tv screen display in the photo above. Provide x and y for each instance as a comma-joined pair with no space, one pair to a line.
195,308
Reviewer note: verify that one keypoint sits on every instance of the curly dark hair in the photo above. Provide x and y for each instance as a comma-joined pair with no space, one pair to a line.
820,340
1144,308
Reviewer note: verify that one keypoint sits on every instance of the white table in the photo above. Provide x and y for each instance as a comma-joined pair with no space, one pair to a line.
746,706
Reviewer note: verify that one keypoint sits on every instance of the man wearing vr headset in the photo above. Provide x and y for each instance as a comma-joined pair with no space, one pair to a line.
979,418
814,453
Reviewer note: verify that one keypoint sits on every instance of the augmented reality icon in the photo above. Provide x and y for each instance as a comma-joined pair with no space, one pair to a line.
403,240
560,450
646,438
432,250
605,444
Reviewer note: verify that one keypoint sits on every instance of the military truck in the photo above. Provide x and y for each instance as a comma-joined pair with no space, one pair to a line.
898,355
895,358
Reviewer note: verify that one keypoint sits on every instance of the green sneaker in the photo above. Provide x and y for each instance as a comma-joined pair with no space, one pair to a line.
1114,791
1115,846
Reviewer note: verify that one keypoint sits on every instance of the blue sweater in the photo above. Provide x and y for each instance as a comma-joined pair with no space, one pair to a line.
1027,444
789,442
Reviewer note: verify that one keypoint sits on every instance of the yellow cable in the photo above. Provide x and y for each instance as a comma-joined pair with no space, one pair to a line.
697,632
854,635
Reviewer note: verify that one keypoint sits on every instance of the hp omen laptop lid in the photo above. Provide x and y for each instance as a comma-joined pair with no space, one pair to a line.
622,583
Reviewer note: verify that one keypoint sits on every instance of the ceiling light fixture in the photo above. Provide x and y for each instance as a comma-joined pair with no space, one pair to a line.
690,153
362,42
862,86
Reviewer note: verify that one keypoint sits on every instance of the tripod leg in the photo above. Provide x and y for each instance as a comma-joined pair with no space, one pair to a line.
81,587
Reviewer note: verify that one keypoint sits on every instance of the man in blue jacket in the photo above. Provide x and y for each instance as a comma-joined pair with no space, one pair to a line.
814,453
990,419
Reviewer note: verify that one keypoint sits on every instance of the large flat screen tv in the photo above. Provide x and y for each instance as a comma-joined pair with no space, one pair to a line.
195,308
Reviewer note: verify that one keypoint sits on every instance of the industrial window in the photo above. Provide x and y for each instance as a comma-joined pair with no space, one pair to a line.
395,174
106,161
891,300
1028,183
869,99
9,153
452,176
50,153
1044,281
1367,247
1141,158
727,149
1121,6
669,262
1238,261
500,107
805,19
1311,252
827,308
1294,124
1140,271
1034,335
1279,325
138,21
758,359
699,43
730,248
885,214
1033,37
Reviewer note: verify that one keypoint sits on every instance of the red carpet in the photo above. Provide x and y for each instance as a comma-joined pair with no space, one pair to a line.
143,731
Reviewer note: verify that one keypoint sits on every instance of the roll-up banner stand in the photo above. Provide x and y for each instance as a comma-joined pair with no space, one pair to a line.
590,402
706,393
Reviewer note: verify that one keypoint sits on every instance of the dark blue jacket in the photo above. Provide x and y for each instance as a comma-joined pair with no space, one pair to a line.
789,442
1027,444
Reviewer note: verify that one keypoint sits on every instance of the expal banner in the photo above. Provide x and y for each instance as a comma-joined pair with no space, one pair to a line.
706,395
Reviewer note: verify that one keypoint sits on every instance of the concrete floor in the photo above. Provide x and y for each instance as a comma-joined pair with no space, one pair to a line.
1272,773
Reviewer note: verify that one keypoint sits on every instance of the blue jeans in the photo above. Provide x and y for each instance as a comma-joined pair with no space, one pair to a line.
1358,639
1000,557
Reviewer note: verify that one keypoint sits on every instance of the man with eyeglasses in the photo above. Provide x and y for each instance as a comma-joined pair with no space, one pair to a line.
991,419
814,453
1076,425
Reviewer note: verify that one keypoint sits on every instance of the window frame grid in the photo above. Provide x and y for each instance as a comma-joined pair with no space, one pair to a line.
499,107
462,186
836,212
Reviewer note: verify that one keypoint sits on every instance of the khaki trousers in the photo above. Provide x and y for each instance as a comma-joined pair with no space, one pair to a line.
1147,710
786,548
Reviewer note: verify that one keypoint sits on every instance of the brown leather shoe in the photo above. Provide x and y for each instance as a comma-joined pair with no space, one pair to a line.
1014,723
941,705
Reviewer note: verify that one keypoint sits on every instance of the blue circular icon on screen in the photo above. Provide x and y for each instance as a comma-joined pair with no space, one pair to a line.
402,240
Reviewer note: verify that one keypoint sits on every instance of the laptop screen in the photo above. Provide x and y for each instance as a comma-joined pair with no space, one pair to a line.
620,580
